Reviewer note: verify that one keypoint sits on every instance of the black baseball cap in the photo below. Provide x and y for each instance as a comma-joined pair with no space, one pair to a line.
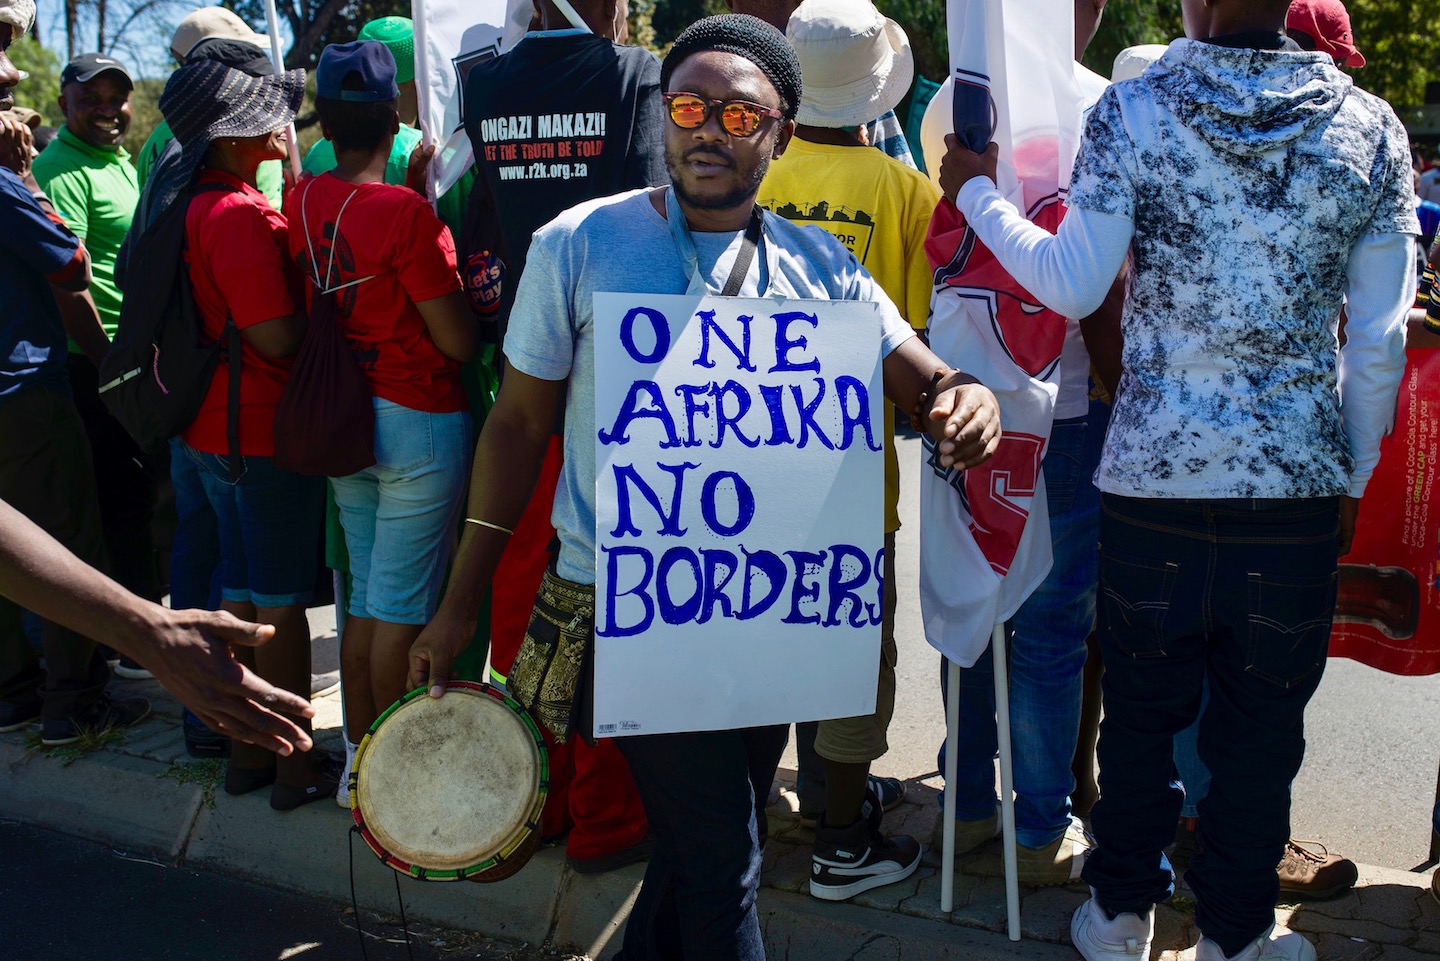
88,66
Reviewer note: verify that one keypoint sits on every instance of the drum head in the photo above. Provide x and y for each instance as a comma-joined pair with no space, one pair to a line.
453,784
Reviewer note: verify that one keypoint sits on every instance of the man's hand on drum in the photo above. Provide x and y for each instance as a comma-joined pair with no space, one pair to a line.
434,651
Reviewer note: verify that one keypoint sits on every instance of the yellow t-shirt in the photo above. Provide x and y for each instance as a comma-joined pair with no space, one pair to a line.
880,210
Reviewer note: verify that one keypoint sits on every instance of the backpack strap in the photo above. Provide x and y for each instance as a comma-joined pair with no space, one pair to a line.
233,348
232,402
324,286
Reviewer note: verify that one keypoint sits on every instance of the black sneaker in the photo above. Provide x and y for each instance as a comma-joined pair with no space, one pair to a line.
14,716
856,858
108,713
202,742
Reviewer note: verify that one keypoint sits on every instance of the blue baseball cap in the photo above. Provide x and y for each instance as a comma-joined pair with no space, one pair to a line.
371,59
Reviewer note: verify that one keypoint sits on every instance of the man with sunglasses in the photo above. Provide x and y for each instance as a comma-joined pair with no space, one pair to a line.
609,96
732,88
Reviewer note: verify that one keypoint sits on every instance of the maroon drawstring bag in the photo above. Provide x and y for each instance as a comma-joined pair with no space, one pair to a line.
325,421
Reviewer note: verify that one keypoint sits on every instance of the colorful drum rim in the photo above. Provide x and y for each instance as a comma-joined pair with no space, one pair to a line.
514,843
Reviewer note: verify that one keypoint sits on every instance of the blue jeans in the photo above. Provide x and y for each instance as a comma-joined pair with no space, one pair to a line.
1239,594
195,552
704,795
269,525
1047,655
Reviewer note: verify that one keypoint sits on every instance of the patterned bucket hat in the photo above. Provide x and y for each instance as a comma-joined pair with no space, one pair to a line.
205,100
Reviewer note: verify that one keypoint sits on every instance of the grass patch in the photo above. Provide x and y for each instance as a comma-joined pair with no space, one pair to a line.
1182,904
208,773
91,740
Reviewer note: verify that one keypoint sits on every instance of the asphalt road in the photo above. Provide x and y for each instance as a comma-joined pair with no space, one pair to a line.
1368,782
65,899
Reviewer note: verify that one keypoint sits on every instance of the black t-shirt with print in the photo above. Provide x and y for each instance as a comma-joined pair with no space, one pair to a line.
559,120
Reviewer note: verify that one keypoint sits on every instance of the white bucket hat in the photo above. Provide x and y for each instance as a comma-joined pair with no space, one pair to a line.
855,62
1132,61
20,14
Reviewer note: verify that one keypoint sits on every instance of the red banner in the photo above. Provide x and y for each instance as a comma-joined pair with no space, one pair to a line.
1387,614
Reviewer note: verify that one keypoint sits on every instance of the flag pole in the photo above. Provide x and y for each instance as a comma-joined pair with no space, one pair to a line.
952,750
273,22
1007,780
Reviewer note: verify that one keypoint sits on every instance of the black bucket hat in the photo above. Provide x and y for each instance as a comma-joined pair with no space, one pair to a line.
205,100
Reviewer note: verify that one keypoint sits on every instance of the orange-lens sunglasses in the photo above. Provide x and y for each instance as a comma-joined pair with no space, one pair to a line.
740,118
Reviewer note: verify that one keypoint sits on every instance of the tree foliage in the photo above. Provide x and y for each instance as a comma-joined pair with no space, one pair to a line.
1130,22
41,89
316,23
1399,40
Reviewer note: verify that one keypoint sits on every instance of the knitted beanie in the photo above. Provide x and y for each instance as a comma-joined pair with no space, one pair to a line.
744,36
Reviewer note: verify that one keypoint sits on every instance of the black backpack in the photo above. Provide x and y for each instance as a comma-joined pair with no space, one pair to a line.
159,367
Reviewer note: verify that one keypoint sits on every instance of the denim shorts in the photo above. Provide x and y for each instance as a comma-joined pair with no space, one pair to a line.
269,525
400,515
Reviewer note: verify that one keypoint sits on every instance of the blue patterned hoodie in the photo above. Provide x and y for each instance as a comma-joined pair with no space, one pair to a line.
1249,175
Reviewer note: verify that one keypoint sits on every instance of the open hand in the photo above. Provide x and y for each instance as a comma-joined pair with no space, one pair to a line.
192,661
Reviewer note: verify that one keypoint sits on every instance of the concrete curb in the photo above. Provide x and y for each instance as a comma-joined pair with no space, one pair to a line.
120,797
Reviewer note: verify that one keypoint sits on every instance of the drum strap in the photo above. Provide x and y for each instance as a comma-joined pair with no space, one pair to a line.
355,904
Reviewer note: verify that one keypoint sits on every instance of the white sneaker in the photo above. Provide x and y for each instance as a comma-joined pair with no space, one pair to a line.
1098,938
1277,944
342,793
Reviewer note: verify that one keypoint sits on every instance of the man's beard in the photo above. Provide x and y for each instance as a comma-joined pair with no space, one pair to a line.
744,190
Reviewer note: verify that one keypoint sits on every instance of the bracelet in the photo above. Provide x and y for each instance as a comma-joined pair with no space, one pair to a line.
41,197
918,414
494,527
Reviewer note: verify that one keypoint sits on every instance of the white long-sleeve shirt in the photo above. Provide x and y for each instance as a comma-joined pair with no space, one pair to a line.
1245,241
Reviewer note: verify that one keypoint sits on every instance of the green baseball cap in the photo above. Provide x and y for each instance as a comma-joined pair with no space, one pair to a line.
397,33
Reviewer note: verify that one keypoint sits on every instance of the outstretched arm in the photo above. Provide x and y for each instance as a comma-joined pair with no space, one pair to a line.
187,651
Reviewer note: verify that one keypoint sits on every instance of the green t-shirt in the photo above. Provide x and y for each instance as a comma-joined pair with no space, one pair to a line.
95,191
269,176
451,206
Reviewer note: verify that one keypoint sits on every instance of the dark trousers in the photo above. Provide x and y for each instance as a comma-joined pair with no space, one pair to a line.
126,479
45,474
704,795
1240,593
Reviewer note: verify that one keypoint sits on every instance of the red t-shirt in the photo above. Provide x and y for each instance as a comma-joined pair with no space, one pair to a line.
389,234
238,263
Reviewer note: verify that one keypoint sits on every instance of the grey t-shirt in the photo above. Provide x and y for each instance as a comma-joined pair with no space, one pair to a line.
621,244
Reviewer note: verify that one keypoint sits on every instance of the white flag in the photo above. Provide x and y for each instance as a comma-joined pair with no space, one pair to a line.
451,36
985,533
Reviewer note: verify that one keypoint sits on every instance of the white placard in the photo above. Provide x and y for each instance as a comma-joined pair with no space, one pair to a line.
739,506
